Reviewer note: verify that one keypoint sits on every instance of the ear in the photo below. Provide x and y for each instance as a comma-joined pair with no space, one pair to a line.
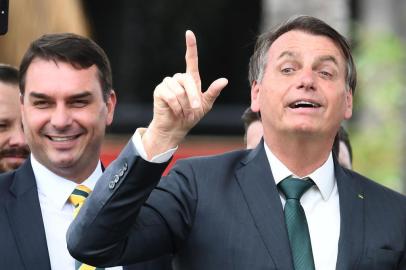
111,105
22,107
348,104
255,87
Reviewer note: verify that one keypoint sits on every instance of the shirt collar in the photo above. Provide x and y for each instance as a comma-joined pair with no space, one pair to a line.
56,188
323,177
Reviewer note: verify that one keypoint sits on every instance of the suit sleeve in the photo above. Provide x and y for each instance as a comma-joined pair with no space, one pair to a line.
118,225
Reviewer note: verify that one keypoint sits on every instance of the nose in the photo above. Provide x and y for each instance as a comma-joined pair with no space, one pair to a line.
17,138
61,118
306,80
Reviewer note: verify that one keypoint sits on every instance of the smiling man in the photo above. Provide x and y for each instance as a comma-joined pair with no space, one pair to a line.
67,101
13,148
287,204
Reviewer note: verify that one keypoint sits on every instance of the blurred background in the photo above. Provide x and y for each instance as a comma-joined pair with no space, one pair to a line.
145,42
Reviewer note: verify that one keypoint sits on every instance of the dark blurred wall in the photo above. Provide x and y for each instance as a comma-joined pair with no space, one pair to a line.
145,42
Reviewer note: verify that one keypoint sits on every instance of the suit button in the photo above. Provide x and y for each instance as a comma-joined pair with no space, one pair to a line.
116,178
121,172
112,185
125,167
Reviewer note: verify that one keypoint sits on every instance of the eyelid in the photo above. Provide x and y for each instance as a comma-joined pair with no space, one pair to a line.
4,125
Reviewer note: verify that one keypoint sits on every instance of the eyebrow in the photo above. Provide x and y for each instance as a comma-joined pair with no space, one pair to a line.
288,54
327,58
39,95
44,96
81,95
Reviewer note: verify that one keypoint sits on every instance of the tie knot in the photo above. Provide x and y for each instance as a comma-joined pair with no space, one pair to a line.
294,188
79,195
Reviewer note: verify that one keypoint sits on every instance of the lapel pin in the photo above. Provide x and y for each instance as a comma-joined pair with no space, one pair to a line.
361,196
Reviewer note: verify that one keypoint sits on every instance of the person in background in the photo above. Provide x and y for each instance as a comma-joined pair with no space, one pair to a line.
287,204
342,148
13,148
67,101
253,128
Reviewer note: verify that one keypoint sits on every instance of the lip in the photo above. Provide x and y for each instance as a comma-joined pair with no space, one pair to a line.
63,142
15,159
304,105
305,111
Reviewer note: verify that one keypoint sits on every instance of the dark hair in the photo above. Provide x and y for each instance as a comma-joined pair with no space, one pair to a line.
249,117
342,136
76,50
306,24
8,74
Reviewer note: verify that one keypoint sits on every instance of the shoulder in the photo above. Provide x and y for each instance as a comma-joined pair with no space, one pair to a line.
231,159
6,181
377,191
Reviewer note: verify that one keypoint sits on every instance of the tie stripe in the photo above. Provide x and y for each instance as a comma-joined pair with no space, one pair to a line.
77,198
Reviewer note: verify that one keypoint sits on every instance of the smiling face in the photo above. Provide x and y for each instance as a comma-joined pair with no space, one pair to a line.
13,149
303,89
65,117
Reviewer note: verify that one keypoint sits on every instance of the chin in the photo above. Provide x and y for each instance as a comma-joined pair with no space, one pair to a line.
305,128
64,163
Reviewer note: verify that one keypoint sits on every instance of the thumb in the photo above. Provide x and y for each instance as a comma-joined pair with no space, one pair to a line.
214,90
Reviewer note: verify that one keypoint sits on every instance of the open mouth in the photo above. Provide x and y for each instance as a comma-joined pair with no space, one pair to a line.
304,104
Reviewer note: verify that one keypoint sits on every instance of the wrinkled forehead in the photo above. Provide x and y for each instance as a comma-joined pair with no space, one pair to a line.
297,43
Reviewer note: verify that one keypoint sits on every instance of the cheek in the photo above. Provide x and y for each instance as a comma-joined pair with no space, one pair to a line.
4,137
33,121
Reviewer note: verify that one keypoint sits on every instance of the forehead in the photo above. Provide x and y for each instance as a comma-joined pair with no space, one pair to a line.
9,94
60,78
301,43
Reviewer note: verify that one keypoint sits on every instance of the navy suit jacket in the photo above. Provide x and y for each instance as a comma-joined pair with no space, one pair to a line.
22,235
224,212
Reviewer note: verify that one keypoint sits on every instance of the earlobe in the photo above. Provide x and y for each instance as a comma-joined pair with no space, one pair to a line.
255,87
349,104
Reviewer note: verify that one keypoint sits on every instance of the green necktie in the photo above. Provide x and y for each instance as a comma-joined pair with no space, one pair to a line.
296,223
77,198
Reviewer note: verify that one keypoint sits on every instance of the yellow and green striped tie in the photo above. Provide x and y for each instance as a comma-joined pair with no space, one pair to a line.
77,198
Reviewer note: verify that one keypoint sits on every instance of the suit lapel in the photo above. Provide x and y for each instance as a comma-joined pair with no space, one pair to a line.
351,242
260,192
24,213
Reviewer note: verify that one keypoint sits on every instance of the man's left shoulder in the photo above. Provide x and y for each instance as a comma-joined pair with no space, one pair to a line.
374,189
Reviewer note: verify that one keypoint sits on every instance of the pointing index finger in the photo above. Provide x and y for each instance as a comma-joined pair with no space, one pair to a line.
191,57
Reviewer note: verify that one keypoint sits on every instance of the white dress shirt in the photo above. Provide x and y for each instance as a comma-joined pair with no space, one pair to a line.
321,205
57,211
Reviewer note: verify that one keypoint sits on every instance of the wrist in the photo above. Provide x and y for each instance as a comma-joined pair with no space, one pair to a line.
156,141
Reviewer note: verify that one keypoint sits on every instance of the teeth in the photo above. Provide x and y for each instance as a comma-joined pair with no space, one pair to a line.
304,104
61,139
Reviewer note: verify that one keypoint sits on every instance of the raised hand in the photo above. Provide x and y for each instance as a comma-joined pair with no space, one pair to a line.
179,104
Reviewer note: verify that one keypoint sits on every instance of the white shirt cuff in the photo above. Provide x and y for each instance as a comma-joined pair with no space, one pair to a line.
161,158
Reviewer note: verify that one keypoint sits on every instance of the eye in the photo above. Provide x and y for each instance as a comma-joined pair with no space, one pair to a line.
41,104
80,103
4,126
287,70
325,74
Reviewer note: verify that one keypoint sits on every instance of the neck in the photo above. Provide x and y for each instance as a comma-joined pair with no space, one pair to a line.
302,155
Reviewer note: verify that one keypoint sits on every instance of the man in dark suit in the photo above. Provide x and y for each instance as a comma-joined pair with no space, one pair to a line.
230,211
67,100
